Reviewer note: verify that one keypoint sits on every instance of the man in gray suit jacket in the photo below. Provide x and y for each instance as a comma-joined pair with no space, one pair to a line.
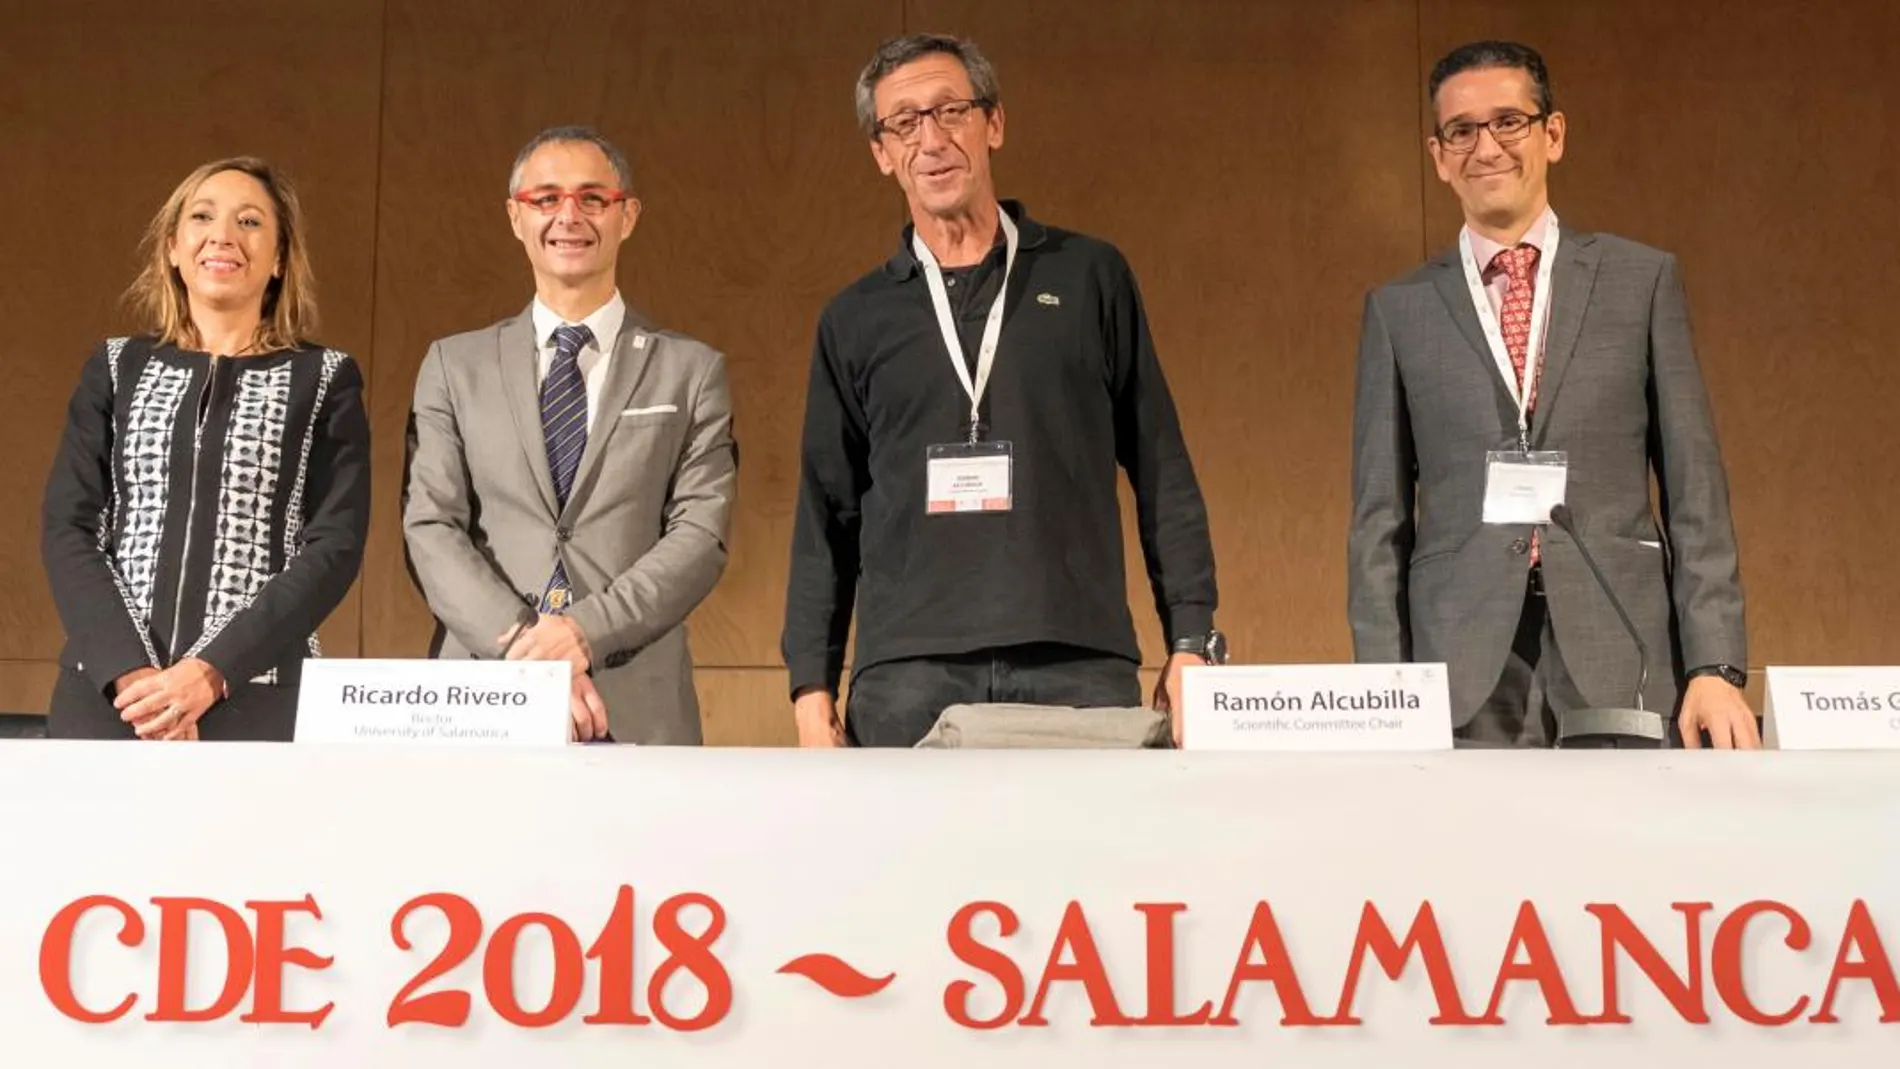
572,468
1526,366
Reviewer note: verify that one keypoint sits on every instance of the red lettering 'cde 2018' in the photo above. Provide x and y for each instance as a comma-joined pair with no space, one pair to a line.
1714,948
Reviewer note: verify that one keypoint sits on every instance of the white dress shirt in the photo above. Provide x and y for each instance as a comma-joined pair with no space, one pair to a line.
1497,283
1484,250
604,322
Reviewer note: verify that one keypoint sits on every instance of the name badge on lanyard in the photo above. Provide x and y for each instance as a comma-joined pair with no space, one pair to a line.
972,475
1520,486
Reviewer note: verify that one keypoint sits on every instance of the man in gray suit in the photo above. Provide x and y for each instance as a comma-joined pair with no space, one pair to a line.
1525,367
572,468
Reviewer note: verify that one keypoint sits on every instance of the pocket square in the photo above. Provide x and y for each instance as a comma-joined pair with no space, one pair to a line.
650,410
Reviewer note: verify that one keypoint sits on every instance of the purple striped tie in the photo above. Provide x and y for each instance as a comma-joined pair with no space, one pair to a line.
564,430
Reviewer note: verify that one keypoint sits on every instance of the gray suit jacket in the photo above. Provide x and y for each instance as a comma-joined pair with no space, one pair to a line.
644,532
1622,395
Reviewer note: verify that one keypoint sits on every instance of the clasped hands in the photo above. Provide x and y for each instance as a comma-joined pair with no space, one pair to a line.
559,638
165,704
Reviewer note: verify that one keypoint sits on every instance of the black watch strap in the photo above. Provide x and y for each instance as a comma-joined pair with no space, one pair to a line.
1733,675
1211,646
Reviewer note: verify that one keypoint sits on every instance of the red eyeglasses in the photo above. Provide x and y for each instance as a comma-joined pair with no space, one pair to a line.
593,201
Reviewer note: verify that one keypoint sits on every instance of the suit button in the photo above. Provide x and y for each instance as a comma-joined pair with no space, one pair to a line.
1519,545
563,533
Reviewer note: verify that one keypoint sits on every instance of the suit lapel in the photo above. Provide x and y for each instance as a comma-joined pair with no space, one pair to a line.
1571,281
632,349
517,355
1448,276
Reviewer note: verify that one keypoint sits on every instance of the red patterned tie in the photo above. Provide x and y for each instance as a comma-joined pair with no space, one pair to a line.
1518,265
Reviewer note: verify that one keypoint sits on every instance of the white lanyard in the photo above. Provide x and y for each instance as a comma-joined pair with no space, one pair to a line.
992,330
1494,334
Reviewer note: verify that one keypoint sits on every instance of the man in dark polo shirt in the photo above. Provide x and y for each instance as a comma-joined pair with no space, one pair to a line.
970,404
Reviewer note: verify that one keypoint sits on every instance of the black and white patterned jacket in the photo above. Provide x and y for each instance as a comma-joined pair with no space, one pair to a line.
209,508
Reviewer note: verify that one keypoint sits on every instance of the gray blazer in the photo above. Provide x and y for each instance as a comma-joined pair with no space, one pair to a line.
644,532
1622,395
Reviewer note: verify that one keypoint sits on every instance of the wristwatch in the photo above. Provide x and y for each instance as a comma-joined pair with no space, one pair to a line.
1211,647
1734,676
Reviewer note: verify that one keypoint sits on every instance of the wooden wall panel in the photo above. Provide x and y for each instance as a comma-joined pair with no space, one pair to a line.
106,106
1757,142
1255,163
27,686
760,201
745,707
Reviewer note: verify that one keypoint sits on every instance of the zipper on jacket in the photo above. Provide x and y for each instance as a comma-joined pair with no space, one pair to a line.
207,396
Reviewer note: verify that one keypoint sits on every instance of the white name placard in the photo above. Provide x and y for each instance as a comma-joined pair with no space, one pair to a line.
398,701
1833,708
1316,707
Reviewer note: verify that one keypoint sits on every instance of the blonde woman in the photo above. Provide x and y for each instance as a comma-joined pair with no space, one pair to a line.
210,498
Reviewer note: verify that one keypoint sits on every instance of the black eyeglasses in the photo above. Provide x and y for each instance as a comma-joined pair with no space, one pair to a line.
908,125
1508,128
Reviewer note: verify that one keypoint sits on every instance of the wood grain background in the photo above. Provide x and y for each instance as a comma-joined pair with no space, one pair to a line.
1260,162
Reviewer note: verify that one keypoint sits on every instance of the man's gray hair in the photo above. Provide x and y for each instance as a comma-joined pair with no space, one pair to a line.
555,135
897,51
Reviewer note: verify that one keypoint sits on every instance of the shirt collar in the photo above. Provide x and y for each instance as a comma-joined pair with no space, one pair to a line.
605,322
1029,234
1484,250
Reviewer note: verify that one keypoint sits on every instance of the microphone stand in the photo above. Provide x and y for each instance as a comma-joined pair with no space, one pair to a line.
1632,723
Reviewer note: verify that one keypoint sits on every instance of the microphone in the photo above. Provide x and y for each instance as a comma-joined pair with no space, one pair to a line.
525,620
1637,721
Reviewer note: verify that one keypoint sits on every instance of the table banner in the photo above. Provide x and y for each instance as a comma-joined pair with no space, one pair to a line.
300,906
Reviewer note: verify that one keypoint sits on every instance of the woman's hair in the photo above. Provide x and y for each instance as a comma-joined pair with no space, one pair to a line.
158,297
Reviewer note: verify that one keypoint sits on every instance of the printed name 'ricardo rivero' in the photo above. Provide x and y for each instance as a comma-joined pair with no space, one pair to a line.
354,694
